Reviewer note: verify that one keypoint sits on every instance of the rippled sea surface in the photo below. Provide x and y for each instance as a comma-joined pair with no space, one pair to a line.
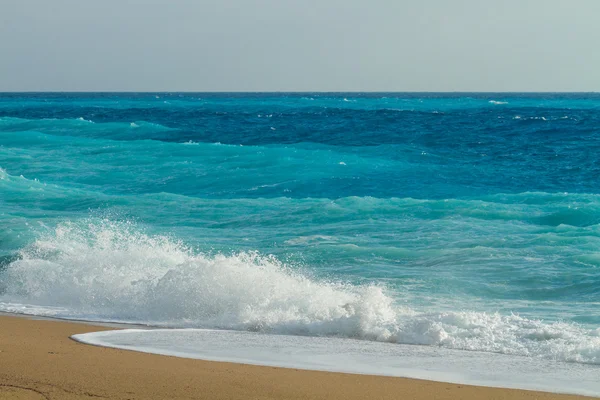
467,221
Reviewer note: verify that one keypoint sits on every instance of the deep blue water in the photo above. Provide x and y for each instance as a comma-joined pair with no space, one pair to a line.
470,221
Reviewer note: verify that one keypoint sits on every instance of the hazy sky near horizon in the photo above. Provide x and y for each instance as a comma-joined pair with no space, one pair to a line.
299,45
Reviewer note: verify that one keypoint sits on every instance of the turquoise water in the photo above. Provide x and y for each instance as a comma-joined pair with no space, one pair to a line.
468,221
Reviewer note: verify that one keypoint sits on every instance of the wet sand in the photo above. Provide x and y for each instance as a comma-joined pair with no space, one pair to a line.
38,360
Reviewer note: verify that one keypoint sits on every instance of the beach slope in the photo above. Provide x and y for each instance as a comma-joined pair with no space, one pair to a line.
39,361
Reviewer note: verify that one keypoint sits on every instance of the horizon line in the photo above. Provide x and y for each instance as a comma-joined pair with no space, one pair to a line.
290,92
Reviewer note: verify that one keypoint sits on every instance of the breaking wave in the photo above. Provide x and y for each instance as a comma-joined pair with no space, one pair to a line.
113,271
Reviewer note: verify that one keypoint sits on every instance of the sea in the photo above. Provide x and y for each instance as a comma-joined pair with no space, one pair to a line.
453,237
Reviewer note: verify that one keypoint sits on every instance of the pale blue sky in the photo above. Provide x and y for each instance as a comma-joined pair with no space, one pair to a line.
300,45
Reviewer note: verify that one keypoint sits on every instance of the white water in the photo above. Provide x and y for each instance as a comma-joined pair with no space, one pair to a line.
112,272
354,356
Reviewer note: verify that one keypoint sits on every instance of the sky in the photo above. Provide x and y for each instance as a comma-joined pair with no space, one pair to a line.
299,45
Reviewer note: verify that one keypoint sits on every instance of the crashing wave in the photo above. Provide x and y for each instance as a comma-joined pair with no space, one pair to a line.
112,271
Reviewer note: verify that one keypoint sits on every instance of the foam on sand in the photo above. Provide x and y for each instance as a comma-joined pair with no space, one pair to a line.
354,356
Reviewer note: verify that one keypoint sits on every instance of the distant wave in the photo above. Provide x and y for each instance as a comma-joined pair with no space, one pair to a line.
536,208
78,126
112,271
498,102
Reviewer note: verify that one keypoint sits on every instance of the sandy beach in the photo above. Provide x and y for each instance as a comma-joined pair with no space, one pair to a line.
38,360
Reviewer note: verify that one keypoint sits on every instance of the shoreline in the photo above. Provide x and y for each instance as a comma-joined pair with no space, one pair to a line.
39,360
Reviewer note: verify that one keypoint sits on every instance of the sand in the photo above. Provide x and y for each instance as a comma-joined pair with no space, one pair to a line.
39,361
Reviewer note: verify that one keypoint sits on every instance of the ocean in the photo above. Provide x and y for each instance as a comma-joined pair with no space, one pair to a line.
462,229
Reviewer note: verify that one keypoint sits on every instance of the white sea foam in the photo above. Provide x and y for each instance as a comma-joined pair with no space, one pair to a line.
498,102
113,272
303,240
353,356
531,118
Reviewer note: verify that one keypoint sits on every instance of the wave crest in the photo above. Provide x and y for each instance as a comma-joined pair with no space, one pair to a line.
81,126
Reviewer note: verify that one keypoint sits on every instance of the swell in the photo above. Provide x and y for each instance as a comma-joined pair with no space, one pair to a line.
286,121
112,271
301,170
578,210
537,208
134,130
